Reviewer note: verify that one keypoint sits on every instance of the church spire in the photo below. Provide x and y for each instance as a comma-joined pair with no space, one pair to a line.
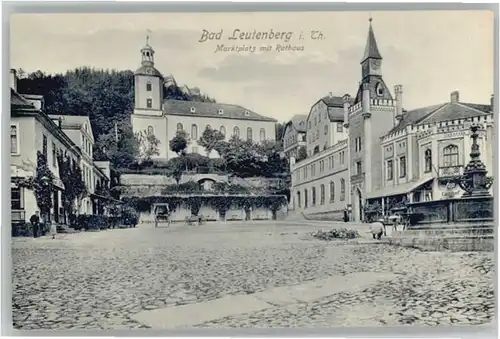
147,52
371,49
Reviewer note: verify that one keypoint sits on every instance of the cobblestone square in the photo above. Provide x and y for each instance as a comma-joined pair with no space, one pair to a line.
102,280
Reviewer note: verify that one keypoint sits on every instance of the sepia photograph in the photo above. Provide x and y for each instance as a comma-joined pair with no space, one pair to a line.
214,170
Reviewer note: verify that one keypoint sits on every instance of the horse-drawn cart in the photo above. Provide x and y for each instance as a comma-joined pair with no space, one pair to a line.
162,214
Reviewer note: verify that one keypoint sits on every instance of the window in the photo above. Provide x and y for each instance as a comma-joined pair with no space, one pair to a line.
222,129
389,169
44,146
315,121
402,167
322,195
180,127
298,199
195,149
309,125
249,133
332,191
54,155
450,156
149,103
262,134
342,158
14,148
192,110
313,198
326,129
148,87
342,189
339,127
247,113
15,198
194,131
151,130
236,132
221,111
357,144
358,167
305,198
319,117
428,160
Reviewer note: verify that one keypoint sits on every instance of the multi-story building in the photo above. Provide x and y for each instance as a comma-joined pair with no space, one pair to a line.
390,154
33,131
79,130
163,118
325,124
294,136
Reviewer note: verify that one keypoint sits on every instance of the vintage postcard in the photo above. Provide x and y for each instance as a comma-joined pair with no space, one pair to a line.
252,170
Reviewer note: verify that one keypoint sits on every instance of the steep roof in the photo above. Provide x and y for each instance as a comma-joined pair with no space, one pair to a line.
441,112
208,109
71,120
299,122
371,49
336,114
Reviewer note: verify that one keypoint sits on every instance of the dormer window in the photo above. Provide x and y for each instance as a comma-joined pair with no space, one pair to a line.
247,113
221,111
193,110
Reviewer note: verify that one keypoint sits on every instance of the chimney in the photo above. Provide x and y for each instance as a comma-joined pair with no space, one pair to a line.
59,122
492,102
398,90
13,79
346,98
454,96
330,94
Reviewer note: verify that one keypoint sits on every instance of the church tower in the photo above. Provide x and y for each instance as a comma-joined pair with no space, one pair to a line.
148,83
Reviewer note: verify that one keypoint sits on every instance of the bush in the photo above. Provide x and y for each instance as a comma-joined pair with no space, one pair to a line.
342,233
22,229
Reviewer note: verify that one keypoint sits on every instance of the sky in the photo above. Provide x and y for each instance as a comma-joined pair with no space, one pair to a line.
430,53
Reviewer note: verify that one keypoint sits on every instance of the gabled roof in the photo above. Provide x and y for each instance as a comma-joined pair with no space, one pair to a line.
74,121
441,112
213,110
371,49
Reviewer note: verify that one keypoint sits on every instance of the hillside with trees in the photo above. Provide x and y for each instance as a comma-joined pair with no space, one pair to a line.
107,97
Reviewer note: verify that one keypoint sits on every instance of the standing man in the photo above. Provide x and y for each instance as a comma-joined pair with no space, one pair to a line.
35,222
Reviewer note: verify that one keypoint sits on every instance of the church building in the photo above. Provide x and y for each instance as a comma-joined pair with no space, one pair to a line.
155,114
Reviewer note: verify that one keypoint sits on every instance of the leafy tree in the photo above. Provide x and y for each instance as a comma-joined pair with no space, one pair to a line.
43,185
78,187
148,145
179,143
280,131
176,167
210,138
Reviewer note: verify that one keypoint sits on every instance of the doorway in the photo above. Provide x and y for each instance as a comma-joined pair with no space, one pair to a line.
56,206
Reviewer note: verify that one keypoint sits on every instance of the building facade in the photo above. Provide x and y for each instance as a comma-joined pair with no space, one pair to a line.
163,118
33,131
294,136
390,155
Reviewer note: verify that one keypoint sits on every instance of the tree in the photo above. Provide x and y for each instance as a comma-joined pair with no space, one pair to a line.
43,185
176,167
179,143
209,139
148,145
78,187
280,131
75,190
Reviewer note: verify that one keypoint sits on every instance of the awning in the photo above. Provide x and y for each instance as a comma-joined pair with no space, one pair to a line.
398,189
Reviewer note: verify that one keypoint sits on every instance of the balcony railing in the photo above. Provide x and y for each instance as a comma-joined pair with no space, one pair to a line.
18,216
450,171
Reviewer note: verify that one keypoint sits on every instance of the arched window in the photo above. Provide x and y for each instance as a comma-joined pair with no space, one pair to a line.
222,129
342,189
332,191
322,194
236,132
262,134
428,160
151,130
249,133
450,156
148,87
194,131
180,127
313,198
306,198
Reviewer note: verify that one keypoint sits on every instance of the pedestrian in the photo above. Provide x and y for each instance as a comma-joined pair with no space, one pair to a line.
35,222
377,228
346,215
